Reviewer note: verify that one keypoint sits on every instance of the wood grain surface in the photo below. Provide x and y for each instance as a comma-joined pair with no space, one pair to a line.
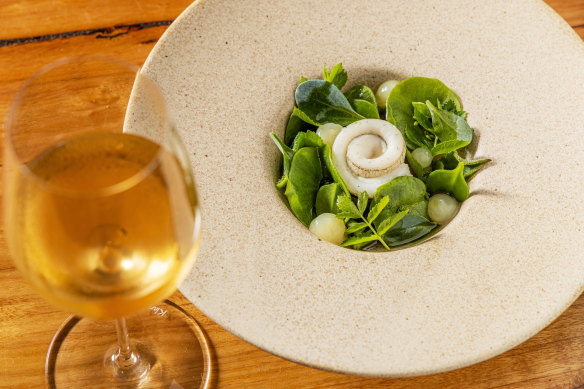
35,32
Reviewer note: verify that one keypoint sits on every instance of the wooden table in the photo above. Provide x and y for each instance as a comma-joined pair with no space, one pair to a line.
35,32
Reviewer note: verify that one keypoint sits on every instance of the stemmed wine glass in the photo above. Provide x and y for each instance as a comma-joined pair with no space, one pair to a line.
101,217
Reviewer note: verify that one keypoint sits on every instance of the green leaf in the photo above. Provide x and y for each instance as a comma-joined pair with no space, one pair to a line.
303,79
400,110
386,224
306,139
365,108
328,161
302,116
362,202
347,207
410,228
406,191
361,92
449,126
449,181
377,208
287,155
282,181
448,146
303,183
419,171
326,198
422,115
356,227
323,102
358,239
337,76
294,126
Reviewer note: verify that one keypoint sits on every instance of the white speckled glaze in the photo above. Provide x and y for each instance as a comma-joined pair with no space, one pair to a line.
510,262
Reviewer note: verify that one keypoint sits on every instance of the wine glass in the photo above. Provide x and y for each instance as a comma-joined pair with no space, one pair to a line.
101,217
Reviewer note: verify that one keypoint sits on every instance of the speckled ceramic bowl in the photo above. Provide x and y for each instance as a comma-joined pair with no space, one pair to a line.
509,264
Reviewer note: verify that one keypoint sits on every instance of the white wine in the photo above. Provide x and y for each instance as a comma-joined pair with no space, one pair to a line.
102,224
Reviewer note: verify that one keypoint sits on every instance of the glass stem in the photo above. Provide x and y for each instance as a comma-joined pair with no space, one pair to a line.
126,364
126,358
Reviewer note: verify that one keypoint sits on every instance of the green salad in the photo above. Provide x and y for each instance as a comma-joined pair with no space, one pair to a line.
364,169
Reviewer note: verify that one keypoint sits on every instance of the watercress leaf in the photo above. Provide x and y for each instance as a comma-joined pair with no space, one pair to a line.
294,126
449,181
400,110
347,207
365,108
423,116
302,116
361,92
306,139
389,222
303,183
362,201
419,171
377,208
324,103
337,76
287,154
408,229
448,146
328,161
355,227
357,239
326,198
448,125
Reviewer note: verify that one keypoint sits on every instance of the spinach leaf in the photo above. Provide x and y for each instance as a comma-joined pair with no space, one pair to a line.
326,198
408,229
337,76
400,110
365,108
294,126
452,130
322,102
449,181
404,192
303,182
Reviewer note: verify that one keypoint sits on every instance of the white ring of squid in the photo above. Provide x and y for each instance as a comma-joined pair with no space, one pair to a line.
394,155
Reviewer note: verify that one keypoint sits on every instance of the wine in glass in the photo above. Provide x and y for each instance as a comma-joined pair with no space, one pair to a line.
101,217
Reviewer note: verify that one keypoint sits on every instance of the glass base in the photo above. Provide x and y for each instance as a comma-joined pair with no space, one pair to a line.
168,340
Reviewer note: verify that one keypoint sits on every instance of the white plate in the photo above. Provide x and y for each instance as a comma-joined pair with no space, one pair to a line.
510,262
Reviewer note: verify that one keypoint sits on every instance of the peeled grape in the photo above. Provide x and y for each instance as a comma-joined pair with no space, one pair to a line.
328,132
328,227
423,156
383,91
442,208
